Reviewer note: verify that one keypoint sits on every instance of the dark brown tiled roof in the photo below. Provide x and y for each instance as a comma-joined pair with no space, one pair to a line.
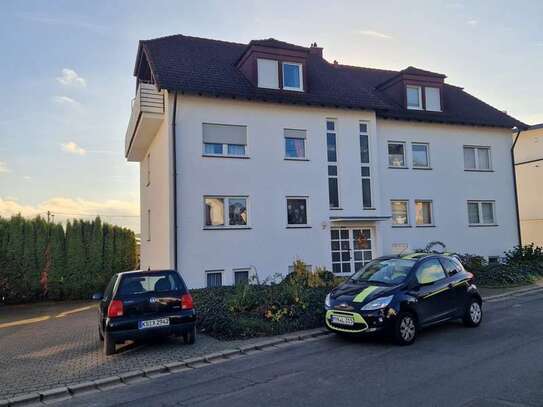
208,67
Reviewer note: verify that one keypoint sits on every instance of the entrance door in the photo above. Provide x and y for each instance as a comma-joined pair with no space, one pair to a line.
352,249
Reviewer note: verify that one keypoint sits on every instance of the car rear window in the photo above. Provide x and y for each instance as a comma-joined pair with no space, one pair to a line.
150,283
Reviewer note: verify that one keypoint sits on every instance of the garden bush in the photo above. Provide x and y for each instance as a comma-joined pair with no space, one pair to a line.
250,310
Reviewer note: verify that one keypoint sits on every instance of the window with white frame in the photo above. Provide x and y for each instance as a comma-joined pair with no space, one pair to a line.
292,76
421,155
477,158
148,169
423,213
224,140
148,225
268,73
214,278
295,144
365,171
432,98
396,154
297,212
481,213
400,212
225,211
414,97
241,276
333,181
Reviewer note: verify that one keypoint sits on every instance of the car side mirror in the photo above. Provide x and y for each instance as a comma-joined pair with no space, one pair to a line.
97,296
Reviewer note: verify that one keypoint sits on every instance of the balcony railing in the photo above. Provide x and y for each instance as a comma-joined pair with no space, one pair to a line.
148,109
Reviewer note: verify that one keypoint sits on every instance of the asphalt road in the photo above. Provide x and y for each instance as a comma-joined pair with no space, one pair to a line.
498,364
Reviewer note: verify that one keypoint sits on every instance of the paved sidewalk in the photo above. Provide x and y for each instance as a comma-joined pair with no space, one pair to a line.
65,348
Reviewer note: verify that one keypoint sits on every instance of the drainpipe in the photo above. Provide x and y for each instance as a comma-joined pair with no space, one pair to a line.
174,180
515,183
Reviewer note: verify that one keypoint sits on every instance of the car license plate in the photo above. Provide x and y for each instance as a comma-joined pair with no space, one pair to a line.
154,323
342,320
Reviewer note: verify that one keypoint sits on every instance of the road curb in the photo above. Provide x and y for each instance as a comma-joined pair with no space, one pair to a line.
513,293
134,376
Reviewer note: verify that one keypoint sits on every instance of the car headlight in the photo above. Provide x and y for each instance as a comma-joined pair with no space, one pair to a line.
378,303
327,302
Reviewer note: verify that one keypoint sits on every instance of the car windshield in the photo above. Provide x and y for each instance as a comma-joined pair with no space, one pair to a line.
134,284
388,272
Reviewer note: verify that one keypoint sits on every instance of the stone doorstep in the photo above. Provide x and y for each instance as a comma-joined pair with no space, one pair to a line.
56,394
29,399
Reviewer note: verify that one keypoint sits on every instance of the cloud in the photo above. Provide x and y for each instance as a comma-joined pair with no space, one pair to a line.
70,20
65,100
125,213
375,34
4,169
72,148
71,78
27,177
473,22
455,5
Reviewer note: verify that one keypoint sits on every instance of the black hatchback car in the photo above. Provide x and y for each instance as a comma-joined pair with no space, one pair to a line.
401,295
144,304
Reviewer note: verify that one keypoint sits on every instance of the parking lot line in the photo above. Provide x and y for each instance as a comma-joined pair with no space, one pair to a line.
24,321
73,311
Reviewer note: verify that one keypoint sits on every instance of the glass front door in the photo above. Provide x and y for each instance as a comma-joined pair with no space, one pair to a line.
352,249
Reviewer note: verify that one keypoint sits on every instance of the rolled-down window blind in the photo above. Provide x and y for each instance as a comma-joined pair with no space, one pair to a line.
224,134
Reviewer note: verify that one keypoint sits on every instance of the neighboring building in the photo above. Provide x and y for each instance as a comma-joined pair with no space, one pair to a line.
281,155
529,166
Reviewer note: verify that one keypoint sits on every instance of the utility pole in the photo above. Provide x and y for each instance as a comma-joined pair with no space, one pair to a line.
48,216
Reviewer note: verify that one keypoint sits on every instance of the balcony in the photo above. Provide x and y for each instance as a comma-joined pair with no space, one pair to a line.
148,112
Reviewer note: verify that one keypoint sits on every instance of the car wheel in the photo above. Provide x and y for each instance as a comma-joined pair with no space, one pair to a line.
190,337
405,329
109,345
474,314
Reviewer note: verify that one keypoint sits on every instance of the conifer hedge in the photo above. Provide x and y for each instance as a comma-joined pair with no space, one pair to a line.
42,260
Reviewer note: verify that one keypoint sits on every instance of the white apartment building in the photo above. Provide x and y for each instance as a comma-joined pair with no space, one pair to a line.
255,155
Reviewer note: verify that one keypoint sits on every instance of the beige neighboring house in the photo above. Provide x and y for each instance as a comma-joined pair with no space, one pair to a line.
529,166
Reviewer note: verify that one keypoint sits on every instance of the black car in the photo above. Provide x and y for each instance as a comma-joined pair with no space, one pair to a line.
143,304
400,295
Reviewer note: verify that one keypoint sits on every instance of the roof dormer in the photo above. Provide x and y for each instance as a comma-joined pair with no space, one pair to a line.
416,89
273,64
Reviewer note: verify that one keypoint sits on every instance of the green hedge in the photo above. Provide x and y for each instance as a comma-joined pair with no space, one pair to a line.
42,260
246,311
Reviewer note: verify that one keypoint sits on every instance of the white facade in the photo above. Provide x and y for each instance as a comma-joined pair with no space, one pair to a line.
267,245
529,165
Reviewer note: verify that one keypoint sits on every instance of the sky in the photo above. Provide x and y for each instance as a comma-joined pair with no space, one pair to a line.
68,76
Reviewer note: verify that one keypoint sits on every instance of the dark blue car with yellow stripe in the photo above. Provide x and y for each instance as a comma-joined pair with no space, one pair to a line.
400,295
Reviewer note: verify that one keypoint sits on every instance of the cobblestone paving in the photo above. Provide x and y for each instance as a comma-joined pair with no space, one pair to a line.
66,350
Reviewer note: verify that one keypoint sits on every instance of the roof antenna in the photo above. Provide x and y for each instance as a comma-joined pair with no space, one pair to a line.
149,268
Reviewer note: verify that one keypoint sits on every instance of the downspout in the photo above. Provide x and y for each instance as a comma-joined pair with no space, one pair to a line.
519,233
174,180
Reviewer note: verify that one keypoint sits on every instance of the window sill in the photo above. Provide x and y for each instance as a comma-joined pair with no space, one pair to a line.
425,226
397,168
475,170
422,168
293,89
295,159
298,227
368,209
483,226
243,157
226,228
414,108
336,209
401,226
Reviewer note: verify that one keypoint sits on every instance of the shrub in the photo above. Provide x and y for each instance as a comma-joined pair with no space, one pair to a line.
529,254
501,275
246,311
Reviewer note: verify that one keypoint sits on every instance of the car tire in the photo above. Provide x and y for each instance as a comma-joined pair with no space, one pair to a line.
474,314
405,329
100,335
109,345
189,337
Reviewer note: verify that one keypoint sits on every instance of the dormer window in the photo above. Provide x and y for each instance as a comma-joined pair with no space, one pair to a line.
292,76
268,73
414,97
433,99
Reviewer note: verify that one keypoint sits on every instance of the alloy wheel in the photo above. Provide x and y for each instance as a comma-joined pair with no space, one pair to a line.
407,328
475,312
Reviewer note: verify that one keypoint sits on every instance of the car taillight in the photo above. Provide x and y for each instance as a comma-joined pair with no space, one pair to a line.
186,301
115,309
